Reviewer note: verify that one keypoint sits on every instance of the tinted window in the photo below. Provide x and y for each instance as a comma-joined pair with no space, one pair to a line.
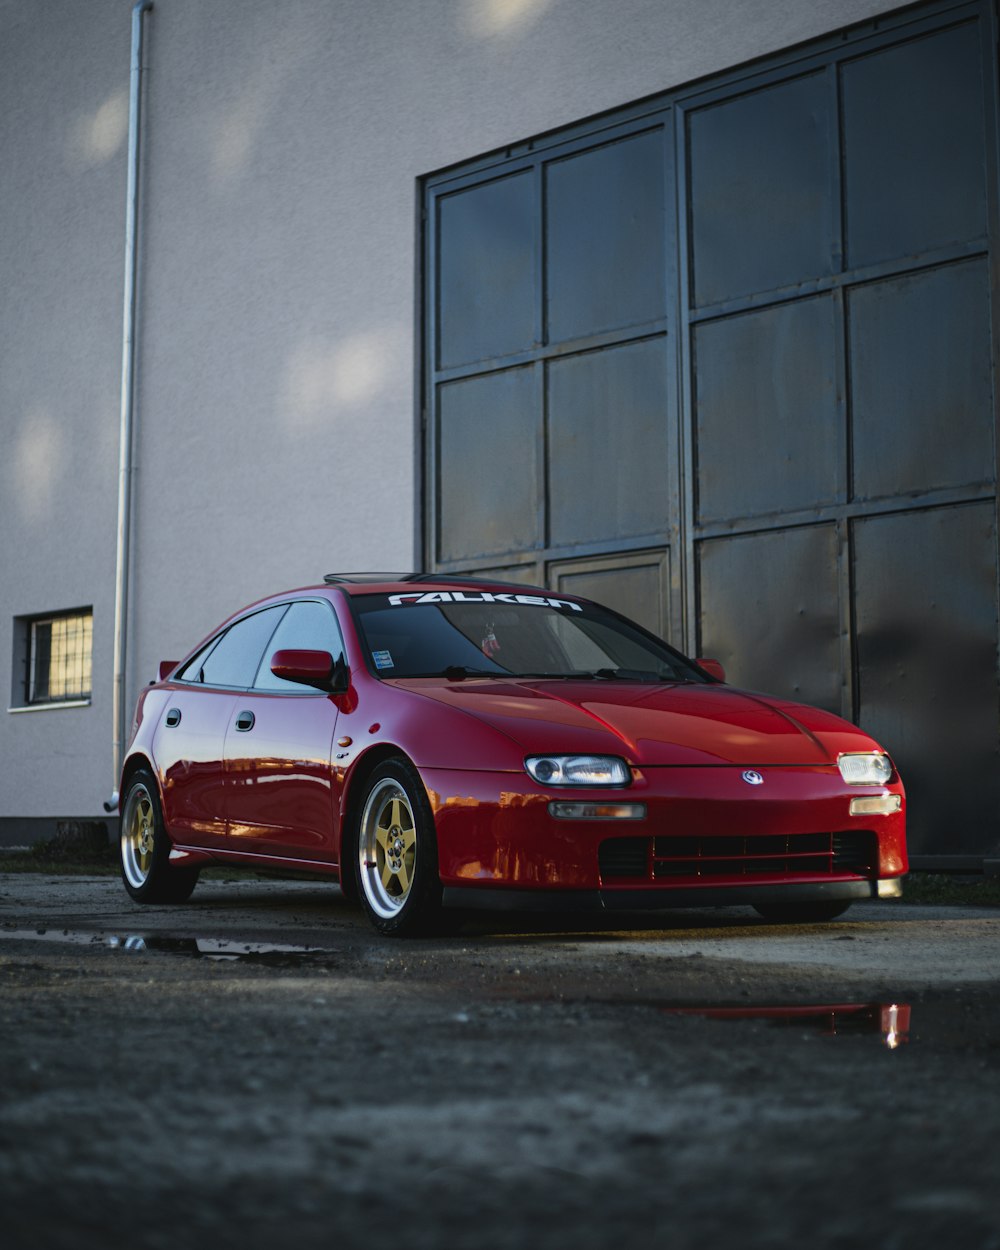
307,626
500,635
234,659
192,669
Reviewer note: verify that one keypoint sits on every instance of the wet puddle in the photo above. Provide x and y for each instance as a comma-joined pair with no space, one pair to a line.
202,948
889,1021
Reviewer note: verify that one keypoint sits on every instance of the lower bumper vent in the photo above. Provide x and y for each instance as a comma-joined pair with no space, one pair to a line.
854,852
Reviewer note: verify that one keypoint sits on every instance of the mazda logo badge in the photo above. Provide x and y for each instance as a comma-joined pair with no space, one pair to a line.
752,778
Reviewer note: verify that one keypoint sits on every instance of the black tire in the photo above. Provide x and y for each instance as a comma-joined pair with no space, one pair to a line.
802,913
395,852
145,847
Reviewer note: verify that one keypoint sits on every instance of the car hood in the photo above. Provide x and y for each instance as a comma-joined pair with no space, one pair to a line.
685,724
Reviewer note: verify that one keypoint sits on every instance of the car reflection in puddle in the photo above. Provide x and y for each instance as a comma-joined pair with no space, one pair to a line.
890,1020
202,948
213,948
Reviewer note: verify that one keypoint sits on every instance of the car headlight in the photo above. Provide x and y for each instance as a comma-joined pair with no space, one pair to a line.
578,770
870,769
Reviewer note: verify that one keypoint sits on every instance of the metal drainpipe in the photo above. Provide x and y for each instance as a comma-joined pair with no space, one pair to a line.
127,404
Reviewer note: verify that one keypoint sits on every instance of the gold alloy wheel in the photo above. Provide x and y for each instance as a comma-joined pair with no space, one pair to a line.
387,848
138,836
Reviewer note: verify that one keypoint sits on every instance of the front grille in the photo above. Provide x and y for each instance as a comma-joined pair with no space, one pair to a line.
854,851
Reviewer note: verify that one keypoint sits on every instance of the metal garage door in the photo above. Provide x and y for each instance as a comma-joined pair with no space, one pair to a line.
763,423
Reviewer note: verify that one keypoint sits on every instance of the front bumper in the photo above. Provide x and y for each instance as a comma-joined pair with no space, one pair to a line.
622,900
711,838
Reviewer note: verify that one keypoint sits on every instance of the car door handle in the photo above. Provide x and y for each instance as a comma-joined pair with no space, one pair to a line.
244,721
173,717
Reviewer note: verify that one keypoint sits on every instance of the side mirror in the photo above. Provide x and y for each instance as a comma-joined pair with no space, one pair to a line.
713,668
166,668
311,668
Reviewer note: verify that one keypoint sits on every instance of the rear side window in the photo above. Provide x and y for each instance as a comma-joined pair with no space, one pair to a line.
192,669
234,658
308,626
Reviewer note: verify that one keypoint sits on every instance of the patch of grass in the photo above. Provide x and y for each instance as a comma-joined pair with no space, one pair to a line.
79,847
85,866
950,890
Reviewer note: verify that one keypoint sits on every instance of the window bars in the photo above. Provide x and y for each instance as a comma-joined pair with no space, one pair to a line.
58,660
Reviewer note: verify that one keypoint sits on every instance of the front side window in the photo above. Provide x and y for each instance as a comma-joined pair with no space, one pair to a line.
308,626
57,656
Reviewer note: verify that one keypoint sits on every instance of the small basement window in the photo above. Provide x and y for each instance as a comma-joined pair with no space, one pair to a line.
53,657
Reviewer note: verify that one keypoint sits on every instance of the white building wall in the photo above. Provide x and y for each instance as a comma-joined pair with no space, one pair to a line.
276,435
63,121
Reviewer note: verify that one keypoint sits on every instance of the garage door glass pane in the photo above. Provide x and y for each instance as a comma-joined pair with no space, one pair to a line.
760,190
487,264
487,468
921,385
523,574
769,422
770,612
604,238
608,458
927,645
636,586
914,161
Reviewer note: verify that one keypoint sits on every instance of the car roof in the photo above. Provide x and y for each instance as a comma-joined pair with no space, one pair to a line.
367,583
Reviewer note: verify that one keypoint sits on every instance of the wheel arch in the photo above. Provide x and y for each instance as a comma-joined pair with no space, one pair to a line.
139,762
134,764
350,806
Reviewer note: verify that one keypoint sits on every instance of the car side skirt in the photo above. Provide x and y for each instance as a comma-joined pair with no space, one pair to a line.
191,856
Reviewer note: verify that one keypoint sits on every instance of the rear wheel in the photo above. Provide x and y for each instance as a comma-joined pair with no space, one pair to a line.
802,913
145,847
396,852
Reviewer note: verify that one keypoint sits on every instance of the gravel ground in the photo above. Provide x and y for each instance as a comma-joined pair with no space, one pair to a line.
177,1076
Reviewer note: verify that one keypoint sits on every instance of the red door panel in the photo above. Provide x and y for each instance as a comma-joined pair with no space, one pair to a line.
278,784
188,747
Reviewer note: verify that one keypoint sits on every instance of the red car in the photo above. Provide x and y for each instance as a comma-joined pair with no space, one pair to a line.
437,741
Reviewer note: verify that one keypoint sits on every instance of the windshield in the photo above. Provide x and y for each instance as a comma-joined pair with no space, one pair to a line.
458,634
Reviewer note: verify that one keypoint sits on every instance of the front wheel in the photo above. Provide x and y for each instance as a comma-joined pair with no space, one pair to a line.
802,913
145,848
396,852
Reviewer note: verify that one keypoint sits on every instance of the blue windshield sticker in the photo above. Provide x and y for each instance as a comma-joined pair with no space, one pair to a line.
383,659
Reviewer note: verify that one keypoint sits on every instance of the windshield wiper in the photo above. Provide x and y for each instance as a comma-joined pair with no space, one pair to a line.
605,674
631,674
458,672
